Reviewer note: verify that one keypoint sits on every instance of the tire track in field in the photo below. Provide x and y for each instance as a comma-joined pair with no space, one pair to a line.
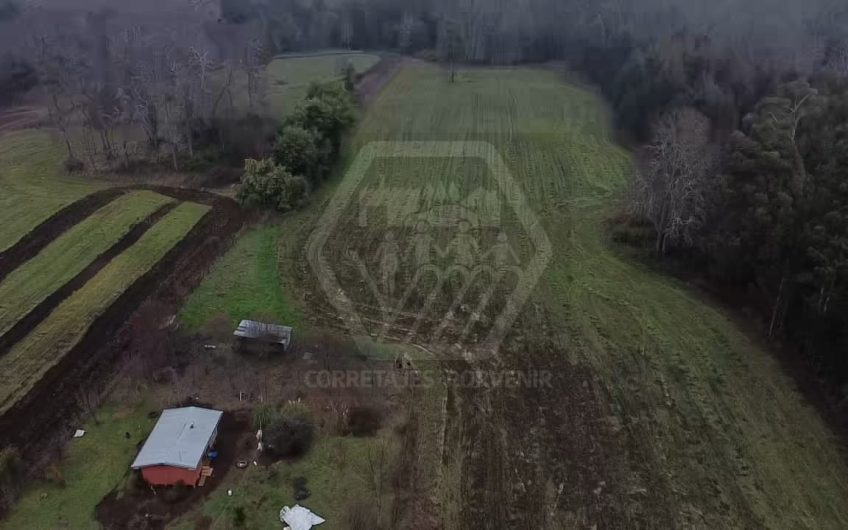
25,325
42,235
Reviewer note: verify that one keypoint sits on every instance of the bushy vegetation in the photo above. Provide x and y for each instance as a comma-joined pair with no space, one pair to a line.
305,149
290,432
267,184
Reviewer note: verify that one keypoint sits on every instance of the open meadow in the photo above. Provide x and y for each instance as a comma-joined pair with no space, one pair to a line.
662,411
33,184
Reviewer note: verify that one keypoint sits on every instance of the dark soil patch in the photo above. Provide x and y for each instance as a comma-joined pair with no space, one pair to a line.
23,327
32,243
44,419
373,81
135,506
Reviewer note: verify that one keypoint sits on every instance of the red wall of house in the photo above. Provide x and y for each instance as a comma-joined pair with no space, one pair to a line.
170,476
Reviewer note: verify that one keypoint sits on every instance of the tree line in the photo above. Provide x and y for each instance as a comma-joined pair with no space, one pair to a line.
124,93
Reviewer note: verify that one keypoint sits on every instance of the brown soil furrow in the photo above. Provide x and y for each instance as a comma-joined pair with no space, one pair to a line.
22,328
47,415
41,236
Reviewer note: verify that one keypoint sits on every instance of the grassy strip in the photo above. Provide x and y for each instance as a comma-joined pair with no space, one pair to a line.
32,185
245,283
26,363
90,468
71,252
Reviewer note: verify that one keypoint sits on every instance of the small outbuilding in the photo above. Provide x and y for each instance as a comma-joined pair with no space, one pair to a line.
176,450
261,337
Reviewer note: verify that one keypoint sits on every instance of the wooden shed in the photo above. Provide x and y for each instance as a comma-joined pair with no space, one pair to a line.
260,337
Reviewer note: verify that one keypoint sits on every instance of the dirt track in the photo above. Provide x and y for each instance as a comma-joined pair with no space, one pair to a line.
22,328
51,410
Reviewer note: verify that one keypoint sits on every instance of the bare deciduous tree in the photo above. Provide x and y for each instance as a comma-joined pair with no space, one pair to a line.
672,188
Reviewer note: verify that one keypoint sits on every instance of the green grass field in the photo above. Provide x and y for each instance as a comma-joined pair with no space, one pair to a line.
245,283
25,287
32,183
716,433
45,346
288,78
708,430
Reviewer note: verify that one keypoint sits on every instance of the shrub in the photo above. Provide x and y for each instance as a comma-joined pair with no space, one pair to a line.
263,415
297,409
303,152
266,184
363,421
74,165
239,517
11,476
290,433
328,109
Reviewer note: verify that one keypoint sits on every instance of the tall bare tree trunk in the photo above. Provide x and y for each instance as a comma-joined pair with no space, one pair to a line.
778,304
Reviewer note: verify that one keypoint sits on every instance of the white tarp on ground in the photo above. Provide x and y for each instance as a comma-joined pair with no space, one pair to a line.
299,518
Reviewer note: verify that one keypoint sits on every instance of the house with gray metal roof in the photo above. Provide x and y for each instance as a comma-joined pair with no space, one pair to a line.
175,450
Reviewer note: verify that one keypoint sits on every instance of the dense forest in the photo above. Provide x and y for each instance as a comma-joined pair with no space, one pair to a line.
738,110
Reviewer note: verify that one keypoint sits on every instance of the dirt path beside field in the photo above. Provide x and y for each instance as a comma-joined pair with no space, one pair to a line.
372,82
25,325
32,243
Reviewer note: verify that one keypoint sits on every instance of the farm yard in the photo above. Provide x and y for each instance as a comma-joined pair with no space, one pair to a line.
657,409
65,257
